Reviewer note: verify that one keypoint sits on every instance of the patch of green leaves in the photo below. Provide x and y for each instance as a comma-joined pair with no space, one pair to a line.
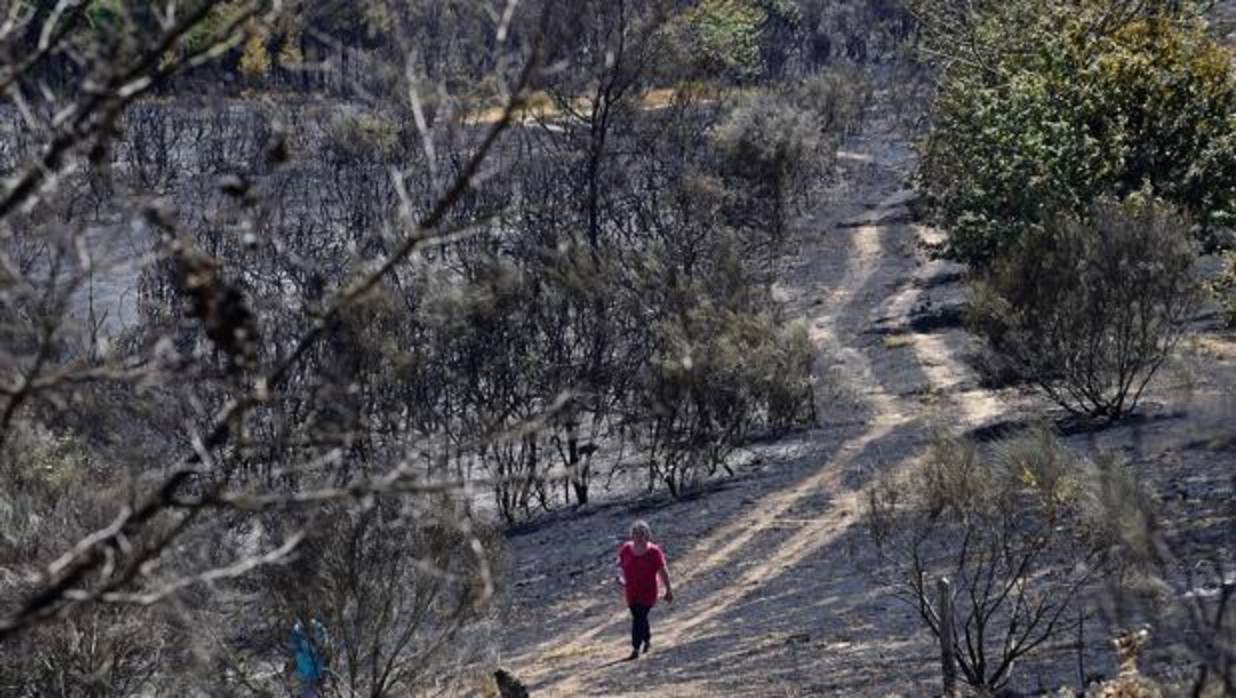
1071,110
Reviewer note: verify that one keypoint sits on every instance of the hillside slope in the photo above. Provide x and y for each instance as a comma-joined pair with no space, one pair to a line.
773,584
772,590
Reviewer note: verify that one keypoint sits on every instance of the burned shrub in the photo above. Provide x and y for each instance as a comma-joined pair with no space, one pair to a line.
1089,312
402,594
718,376
1017,534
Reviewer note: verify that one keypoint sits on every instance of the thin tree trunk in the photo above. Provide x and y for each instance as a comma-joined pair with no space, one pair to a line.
947,662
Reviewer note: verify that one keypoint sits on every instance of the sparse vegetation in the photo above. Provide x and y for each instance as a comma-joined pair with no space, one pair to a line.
717,376
1015,530
769,148
401,591
1224,289
1089,309
1175,584
344,311
311,312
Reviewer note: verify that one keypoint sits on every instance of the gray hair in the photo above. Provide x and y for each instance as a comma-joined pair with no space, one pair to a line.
641,526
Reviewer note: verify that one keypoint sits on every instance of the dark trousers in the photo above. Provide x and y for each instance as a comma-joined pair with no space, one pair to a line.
641,632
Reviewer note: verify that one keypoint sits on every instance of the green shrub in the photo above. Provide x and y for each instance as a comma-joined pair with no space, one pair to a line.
838,97
1064,102
1090,311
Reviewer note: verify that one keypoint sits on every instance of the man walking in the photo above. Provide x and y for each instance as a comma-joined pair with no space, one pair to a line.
640,564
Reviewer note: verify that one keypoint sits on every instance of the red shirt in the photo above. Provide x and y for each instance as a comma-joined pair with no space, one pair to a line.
640,573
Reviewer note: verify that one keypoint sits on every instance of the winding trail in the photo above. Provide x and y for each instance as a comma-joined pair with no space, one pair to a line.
756,585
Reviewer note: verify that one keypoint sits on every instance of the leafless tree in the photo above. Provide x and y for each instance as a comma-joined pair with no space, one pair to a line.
1091,311
184,421
338,309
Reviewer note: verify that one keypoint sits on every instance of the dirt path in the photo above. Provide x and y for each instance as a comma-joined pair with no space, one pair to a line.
750,567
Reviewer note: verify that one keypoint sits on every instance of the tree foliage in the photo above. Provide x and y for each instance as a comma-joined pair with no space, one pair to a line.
729,38
1042,107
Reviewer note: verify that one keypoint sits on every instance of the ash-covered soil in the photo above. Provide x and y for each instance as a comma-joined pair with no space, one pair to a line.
774,588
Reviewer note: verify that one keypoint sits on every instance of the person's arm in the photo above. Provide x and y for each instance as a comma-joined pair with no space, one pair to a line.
663,573
619,577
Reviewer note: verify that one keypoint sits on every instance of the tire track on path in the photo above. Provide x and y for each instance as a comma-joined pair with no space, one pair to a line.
570,668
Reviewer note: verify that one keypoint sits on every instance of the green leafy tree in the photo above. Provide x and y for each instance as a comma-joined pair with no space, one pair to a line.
737,40
1050,105
722,36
